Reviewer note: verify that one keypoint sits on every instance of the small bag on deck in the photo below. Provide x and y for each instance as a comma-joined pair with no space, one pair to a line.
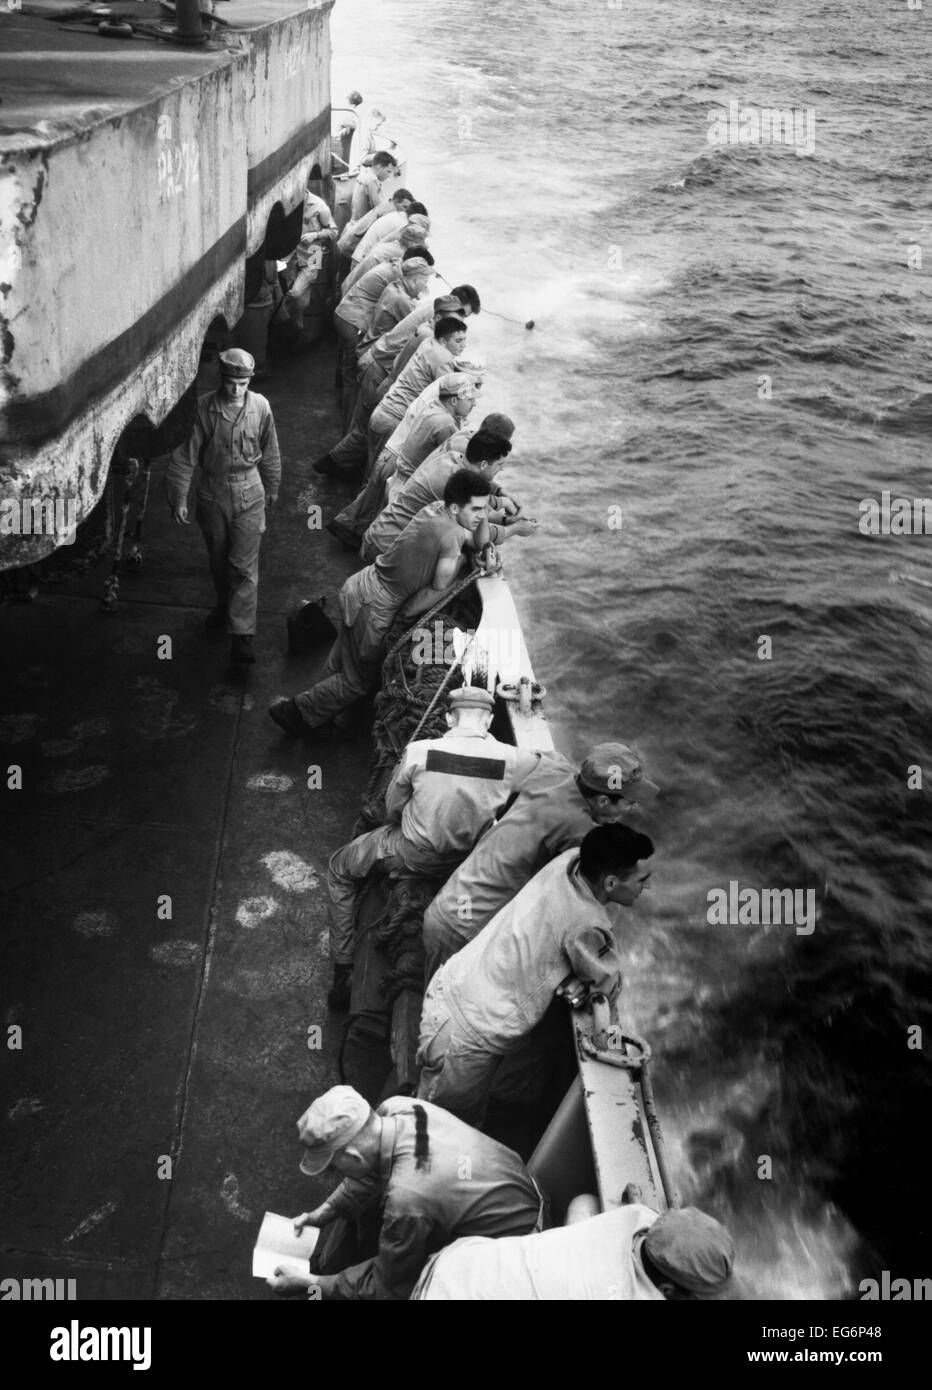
307,625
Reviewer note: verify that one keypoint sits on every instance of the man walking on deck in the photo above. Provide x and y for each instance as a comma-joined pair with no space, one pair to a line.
442,795
554,811
233,451
428,1177
413,575
557,935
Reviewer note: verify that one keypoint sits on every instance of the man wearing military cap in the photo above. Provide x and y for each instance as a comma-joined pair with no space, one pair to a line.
351,449
626,1254
434,1177
553,811
442,795
232,452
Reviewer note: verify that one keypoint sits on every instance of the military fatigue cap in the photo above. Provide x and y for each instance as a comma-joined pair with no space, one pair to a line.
471,696
691,1249
615,769
237,363
329,1124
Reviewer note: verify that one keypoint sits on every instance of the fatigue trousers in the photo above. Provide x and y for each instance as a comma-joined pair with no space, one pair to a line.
355,661
352,448
352,864
348,335
457,1067
232,518
359,515
441,940
382,425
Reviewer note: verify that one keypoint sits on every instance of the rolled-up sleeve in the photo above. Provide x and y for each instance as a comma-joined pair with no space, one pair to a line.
594,956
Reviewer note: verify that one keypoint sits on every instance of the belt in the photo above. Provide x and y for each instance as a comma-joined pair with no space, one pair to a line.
234,473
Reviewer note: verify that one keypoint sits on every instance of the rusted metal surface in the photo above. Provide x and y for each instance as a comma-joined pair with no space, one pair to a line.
135,180
617,1126
611,1116
500,634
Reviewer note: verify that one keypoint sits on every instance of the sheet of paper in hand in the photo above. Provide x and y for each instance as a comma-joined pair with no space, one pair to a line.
279,1248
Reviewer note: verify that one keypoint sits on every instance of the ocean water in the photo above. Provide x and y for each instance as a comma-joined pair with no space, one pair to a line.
731,351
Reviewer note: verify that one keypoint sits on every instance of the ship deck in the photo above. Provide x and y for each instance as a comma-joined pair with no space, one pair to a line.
61,78
188,1037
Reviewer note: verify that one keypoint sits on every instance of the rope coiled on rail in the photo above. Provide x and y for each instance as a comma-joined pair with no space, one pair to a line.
409,705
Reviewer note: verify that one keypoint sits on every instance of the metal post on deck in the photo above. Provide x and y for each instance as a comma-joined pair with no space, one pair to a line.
189,29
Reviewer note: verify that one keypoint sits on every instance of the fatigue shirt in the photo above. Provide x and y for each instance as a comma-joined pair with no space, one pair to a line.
359,303
415,410
593,1260
502,982
387,348
393,253
354,230
370,192
549,816
446,790
464,1184
432,428
429,361
395,304
217,445
425,486
382,228
424,330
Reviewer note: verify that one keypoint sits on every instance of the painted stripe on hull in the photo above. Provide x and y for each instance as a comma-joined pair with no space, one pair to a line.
44,416
266,173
